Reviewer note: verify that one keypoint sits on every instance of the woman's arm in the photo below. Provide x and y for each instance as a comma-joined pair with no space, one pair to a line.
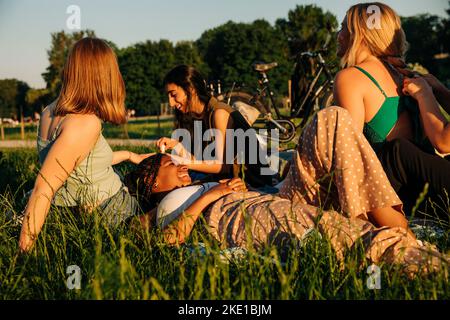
81,134
125,155
435,125
177,231
347,96
440,91
221,122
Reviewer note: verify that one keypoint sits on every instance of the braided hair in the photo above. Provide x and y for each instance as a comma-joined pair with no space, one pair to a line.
141,181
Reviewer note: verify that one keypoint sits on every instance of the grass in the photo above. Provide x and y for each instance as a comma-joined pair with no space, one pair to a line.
136,128
128,263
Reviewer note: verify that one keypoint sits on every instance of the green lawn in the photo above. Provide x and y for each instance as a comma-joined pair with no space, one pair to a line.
137,128
128,263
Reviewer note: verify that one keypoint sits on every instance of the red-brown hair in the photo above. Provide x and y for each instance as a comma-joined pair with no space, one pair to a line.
92,83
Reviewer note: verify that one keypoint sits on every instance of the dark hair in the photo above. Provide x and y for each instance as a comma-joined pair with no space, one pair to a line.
140,182
188,78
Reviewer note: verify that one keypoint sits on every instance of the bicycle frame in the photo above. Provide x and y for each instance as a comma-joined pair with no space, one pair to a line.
309,98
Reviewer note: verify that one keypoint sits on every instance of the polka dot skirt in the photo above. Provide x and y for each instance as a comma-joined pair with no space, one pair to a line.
334,170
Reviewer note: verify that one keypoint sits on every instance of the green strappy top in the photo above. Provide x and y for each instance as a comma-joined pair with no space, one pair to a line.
93,180
377,129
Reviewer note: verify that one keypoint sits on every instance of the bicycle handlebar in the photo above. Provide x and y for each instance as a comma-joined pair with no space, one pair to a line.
313,54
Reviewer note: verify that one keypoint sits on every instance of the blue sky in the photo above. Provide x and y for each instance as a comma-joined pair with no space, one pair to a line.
25,25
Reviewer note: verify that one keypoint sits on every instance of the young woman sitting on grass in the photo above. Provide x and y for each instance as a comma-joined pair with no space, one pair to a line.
76,159
381,102
194,106
334,167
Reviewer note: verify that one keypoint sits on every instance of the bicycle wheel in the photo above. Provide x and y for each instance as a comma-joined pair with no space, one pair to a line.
327,99
288,134
290,129
231,98
312,107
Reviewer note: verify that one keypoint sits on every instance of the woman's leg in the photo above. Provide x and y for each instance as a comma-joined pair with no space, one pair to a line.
330,150
382,245
409,169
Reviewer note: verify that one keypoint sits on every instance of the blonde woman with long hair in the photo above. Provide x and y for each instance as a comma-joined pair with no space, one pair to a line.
76,159
385,107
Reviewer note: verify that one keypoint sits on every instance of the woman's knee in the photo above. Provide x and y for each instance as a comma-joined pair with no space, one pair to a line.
336,112
399,150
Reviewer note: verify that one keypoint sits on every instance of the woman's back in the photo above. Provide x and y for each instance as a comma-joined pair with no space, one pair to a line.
93,180
379,88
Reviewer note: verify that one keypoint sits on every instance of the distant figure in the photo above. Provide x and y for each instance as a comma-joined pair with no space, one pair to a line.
36,116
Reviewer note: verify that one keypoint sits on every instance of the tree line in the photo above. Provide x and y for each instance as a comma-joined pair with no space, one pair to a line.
225,53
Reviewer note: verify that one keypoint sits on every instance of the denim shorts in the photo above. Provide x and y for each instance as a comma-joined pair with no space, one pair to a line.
119,208
114,210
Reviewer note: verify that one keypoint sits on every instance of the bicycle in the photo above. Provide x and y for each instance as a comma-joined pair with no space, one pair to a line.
307,97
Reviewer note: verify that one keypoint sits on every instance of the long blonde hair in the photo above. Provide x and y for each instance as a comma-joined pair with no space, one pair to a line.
388,40
92,83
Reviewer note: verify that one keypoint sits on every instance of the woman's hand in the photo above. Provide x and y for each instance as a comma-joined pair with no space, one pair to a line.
435,84
434,122
166,143
416,87
227,186
178,160
137,158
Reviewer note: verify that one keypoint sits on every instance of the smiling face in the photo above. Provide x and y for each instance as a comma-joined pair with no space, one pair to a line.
171,176
178,98
343,39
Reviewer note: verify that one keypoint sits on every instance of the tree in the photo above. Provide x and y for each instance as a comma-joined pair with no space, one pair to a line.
422,33
62,42
429,43
307,28
36,100
230,50
186,52
12,98
144,66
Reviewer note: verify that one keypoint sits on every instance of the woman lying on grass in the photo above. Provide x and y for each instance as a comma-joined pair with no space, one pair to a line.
334,166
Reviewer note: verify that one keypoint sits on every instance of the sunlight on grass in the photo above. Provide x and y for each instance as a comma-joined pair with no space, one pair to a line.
136,128
130,263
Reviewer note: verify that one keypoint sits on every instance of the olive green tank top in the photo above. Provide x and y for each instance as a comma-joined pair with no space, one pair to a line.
252,171
378,128
93,180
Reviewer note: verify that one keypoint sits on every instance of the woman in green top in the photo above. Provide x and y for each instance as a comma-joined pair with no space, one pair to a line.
372,90
76,159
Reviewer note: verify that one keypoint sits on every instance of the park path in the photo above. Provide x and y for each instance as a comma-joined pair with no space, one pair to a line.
112,142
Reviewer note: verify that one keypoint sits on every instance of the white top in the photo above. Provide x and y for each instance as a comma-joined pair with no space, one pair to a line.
177,201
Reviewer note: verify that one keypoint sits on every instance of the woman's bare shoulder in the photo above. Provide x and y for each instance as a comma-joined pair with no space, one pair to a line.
350,74
83,121
81,126
47,112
